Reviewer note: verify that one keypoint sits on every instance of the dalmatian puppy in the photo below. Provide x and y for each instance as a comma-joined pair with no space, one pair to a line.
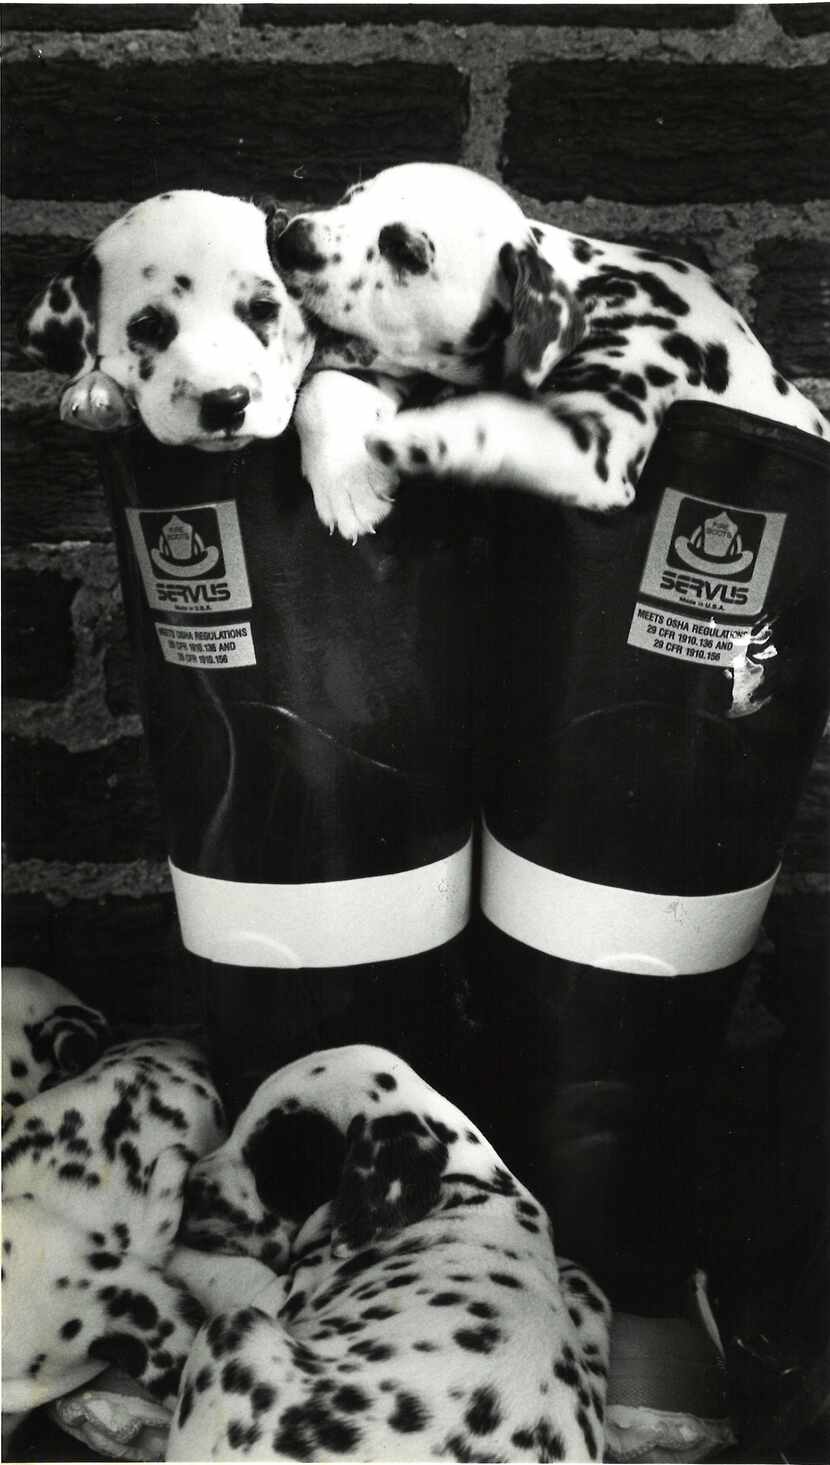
93,1178
177,313
48,1034
576,347
420,1312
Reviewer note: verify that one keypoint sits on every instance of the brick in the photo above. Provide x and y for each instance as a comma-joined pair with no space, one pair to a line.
650,17
119,673
26,266
121,954
98,805
690,134
38,645
286,127
96,17
51,487
802,20
792,292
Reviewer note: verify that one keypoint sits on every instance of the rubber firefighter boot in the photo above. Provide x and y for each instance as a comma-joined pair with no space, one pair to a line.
659,684
306,710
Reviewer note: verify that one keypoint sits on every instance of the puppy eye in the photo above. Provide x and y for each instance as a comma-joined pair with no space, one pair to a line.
263,309
149,328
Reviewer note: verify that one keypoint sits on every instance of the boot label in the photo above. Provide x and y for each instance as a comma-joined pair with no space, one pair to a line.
191,558
207,647
711,557
714,560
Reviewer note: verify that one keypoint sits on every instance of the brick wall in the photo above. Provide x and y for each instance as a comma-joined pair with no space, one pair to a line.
703,128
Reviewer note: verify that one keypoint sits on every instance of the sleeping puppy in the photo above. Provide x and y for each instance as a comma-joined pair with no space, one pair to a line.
578,346
93,1178
48,1035
177,313
420,1312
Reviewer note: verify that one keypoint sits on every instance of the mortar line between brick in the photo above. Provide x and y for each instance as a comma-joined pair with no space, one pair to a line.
64,880
752,38
807,219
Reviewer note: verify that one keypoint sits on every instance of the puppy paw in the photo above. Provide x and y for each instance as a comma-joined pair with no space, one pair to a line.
409,449
354,499
95,402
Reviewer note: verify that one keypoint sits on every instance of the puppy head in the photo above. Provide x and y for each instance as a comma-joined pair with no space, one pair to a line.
48,1034
430,268
179,304
347,1127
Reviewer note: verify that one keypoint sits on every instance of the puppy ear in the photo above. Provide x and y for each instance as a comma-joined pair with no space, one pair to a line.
391,1177
60,328
276,221
405,249
295,1157
547,322
70,1041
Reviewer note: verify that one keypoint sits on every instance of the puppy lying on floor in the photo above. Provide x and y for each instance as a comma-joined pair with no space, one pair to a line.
93,1176
421,1313
48,1035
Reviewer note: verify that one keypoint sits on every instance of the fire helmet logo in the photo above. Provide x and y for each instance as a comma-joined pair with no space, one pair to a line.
181,550
715,546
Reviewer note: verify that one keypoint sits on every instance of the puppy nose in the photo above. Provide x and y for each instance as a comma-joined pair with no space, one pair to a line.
295,247
223,408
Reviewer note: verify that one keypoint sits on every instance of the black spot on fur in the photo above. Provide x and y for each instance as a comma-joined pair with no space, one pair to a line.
262,1398
652,256
716,367
582,250
236,1378
410,1414
587,1432
185,1405
123,1302
350,1399
482,1309
657,376
71,1328
408,252
71,1171
122,1349
18,1068
372,1351
103,1261
613,280
505,1279
686,350
781,385
477,1340
483,1412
